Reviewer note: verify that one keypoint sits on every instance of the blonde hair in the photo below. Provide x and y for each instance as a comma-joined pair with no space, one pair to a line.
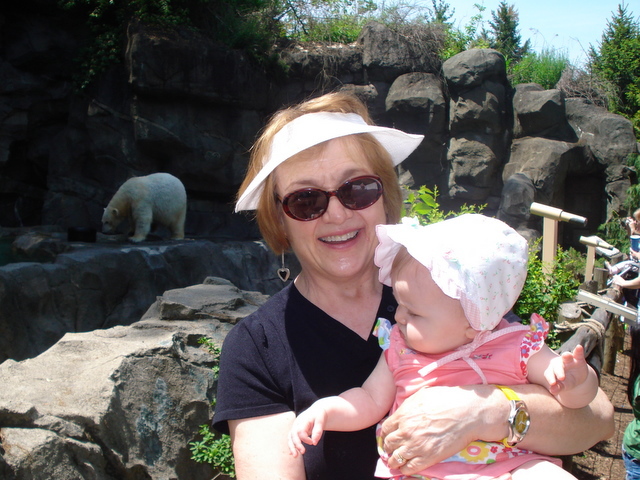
268,213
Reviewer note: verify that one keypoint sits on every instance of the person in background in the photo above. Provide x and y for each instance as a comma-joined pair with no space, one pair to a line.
320,178
453,293
628,268
631,440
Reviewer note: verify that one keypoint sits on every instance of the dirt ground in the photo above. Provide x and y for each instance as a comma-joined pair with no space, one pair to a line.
604,460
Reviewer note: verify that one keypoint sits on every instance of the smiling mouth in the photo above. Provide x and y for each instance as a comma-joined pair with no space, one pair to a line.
339,238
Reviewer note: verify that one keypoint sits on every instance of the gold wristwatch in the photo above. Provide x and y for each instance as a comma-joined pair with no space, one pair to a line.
518,420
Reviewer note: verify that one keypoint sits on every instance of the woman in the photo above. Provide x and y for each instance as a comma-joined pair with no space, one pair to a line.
314,338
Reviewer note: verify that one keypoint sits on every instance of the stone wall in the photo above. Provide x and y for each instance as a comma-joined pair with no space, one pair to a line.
182,104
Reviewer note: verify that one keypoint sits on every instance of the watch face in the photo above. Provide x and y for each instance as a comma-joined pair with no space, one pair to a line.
521,423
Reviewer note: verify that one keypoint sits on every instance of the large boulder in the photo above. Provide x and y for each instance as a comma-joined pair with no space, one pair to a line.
539,112
609,137
416,104
473,167
94,286
123,402
478,126
545,162
387,54
471,68
480,109
164,62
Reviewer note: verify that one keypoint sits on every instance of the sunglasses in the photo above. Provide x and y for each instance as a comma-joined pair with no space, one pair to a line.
355,194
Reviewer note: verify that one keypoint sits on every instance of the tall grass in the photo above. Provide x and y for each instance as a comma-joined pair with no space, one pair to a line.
543,68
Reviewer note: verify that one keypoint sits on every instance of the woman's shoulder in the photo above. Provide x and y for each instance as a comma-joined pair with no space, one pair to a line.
269,315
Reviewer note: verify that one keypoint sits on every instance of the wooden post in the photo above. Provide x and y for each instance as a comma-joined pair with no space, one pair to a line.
549,244
592,242
588,337
552,216
591,261
614,341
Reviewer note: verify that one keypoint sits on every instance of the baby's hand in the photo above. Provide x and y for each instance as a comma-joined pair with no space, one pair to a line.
307,428
567,371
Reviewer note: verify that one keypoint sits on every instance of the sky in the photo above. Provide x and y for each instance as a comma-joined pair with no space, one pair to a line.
569,26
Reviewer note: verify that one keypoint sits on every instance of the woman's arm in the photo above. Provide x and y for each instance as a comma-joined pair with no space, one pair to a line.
260,448
632,284
438,422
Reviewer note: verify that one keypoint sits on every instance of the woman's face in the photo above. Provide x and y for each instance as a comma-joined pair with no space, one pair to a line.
340,244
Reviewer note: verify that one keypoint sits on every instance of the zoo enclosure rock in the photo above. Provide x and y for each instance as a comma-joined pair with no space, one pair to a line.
97,286
182,104
119,403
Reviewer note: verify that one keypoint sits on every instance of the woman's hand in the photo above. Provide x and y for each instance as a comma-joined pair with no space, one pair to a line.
438,422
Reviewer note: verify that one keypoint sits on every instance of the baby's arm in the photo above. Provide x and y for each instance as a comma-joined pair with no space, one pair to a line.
354,409
568,377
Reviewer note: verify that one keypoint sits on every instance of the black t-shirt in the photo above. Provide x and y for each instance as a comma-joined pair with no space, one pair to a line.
284,357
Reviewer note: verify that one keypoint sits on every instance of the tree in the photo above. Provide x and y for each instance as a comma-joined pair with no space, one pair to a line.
441,12
506,38
618,61
472,35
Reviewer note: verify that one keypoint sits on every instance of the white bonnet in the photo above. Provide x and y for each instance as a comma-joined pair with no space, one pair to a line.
477,259
314,128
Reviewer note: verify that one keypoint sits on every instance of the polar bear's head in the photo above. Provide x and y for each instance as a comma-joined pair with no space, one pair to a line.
111,219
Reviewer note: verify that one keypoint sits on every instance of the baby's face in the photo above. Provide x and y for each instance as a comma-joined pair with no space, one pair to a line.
430,321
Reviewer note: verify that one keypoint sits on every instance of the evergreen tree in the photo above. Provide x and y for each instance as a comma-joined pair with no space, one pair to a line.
506,37
618,61
441,12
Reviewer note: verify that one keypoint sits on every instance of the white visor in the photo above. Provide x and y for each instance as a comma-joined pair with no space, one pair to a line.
314,128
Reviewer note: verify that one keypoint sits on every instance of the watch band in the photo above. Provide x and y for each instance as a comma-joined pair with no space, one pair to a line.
518,420
508,392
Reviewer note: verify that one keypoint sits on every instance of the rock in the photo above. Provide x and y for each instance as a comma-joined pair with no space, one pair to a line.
39,247
97,286
480,110
471,68
331,62
474,166
212,299
540,112
416,104
478,125
609,137
122,402
517,196
181,103
388,54
545,162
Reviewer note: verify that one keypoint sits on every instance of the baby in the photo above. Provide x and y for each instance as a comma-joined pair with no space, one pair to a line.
454,282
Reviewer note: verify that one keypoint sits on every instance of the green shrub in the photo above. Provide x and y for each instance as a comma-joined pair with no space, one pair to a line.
544,292
213,448
423,204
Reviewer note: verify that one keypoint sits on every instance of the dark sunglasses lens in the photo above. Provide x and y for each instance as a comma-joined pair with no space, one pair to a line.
360,193
306,204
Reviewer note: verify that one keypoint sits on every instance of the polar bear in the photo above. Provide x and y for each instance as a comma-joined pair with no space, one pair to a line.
159,198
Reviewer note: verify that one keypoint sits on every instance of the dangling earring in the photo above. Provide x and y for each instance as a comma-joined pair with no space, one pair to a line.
284,272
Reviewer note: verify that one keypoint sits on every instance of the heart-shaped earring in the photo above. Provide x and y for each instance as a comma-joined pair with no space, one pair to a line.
283,272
